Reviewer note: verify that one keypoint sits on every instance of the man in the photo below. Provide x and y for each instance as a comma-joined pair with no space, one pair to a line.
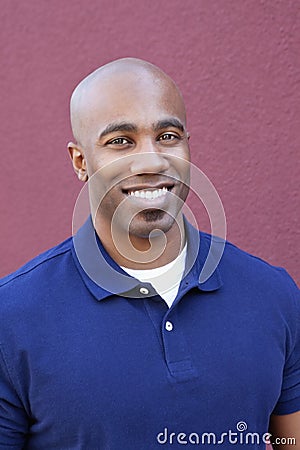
110,340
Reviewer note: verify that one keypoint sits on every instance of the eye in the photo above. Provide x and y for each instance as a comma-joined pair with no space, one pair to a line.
168,137
119,141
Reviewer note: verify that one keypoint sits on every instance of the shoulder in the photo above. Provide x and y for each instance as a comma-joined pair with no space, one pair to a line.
255,268
34,276
263,287
243,270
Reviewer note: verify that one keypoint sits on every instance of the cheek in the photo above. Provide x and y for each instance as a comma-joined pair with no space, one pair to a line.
182,166
104,183
183,153
109,170
187,153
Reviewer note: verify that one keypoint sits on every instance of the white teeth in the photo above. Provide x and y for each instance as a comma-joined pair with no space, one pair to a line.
149,195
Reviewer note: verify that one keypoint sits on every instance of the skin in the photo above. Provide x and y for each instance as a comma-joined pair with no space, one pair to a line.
287,426
145,155
129,122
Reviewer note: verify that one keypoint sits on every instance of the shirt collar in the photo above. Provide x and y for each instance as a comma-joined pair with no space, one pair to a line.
104,277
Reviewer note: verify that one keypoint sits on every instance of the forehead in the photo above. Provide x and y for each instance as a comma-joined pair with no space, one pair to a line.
140,98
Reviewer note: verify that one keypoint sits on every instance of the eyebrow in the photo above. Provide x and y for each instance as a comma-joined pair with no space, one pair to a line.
118,126
168,123
130,127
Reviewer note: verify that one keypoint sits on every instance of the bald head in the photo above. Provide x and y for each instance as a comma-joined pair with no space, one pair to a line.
114,81
128,118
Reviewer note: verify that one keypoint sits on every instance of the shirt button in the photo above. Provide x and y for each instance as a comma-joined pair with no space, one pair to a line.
169,326
144,291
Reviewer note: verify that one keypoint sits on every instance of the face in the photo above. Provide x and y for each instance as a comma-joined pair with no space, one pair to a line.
135,148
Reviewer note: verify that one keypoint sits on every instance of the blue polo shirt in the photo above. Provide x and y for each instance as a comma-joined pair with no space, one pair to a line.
83,366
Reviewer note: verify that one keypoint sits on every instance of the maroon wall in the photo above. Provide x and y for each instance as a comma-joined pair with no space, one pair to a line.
237,63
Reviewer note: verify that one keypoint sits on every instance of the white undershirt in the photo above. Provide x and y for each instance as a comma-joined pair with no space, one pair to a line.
165,279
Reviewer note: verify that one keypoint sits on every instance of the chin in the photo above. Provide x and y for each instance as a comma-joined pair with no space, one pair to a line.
150,219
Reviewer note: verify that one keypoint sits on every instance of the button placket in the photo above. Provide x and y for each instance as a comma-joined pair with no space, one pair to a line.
177,351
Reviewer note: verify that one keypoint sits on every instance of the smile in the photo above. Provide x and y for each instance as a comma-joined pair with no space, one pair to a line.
149,193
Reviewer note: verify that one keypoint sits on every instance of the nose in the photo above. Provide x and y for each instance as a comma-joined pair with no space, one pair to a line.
149,159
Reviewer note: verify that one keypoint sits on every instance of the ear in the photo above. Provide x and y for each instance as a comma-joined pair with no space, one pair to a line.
78,161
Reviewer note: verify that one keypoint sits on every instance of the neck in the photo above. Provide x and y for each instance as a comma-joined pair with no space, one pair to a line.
136,252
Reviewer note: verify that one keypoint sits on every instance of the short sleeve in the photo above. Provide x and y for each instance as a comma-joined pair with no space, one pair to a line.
13,418
289,401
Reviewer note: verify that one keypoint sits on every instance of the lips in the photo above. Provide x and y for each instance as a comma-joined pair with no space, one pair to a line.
147,186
